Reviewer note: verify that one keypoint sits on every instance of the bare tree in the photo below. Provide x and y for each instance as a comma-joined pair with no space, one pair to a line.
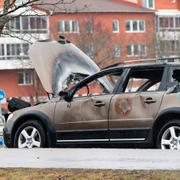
97,44
14,9
96,41
10,7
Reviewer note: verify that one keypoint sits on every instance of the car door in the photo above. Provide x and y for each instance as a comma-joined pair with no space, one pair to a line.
132,112
85,118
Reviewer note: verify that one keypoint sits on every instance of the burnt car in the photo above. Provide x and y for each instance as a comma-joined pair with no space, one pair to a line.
125,104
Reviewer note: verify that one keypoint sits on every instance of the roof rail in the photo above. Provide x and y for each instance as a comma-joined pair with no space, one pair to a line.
159,60
113,65
163,59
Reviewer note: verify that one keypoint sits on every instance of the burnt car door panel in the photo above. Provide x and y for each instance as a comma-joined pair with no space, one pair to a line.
85,118
132,114
133,111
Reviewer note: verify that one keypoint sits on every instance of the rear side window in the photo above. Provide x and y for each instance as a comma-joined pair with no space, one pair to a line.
143,80
172,80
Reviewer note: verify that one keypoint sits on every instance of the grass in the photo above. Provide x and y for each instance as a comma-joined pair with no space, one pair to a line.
82,174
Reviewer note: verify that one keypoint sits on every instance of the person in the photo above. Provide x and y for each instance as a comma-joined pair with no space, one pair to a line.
176,87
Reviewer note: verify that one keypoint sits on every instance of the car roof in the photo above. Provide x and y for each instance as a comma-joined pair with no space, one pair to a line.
157,64
122,66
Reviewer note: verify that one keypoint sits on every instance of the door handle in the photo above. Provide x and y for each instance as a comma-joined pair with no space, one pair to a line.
149,100
99,103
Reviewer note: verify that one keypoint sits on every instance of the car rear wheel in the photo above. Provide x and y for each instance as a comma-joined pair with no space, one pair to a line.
169,136
30,135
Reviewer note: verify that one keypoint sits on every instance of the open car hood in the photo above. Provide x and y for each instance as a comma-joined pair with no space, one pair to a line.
55,62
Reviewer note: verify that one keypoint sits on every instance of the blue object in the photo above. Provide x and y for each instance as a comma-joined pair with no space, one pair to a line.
2,94
1,140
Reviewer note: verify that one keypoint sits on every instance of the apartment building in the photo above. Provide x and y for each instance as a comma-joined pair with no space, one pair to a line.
167,25
17,76
109,31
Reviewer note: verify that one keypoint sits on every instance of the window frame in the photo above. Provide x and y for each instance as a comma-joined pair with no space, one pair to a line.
132,46
115,26
89,79
138,21
162,81
24,74
117,50
174,25
2,52
29,29
62,28
11,51
146,3
96,78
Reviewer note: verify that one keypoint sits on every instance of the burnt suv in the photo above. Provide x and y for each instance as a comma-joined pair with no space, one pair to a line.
125,104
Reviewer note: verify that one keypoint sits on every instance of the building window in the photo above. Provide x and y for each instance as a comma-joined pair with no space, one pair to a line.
37,23
170,47
25,78
136,50
148,3
128,25
117,51
24,49
14,24
14,51
135,26
32,24
141,26
169,22
166,22
115,26
75,27
17,51
177,22
2,51
68,26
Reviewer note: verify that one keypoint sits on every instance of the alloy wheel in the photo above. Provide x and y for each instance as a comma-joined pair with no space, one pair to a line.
29,137
171,138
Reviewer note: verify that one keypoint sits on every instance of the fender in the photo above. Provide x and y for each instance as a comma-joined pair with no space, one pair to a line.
46,122
172,112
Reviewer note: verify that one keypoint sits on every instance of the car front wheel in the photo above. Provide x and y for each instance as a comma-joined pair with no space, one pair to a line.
169,136
30,135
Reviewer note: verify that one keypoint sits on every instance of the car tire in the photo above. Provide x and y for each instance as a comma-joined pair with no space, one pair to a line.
169,136
30,135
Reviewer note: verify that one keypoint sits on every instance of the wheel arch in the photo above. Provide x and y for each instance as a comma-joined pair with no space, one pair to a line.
43,120
164,117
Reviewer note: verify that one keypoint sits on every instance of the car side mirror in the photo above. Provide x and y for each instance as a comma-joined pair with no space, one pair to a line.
65,96
62,93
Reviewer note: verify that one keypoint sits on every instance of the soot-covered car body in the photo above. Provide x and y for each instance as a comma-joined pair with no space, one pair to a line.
126,104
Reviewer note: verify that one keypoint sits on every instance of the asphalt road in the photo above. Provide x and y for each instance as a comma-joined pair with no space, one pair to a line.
130,159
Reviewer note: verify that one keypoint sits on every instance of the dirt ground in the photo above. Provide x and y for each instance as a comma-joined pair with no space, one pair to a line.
81,174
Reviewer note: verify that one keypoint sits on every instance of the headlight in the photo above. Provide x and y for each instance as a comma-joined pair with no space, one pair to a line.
10,116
